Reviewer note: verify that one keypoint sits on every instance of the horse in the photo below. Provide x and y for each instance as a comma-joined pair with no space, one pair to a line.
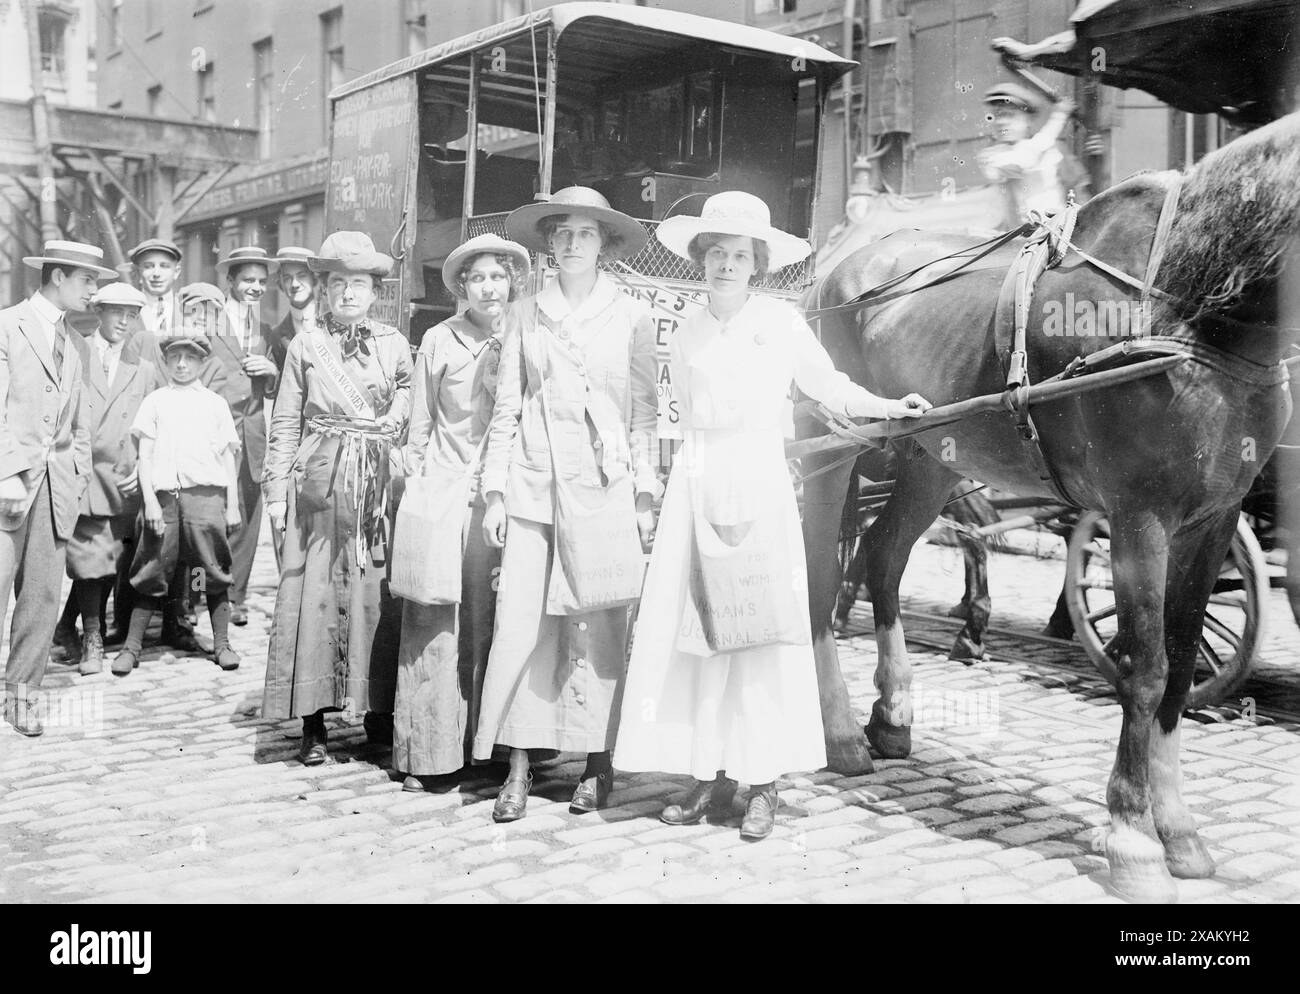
1166,457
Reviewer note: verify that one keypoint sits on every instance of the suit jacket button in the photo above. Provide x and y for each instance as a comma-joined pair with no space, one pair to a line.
48,388
47,418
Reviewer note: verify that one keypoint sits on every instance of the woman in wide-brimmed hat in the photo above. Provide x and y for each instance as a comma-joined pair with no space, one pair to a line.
444,645
574,424
343,399
722,684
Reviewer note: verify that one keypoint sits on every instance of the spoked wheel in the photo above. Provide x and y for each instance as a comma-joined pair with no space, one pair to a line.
1233,626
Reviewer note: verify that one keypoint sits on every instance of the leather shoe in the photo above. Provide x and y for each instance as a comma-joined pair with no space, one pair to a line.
92,654
705,796
124,662
24,714
181,638
65,647
313,751
238,615
760,814
511,805
592,793
227,658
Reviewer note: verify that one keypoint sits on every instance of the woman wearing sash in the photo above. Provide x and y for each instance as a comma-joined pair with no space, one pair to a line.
721,683
444,647
568,482
343,398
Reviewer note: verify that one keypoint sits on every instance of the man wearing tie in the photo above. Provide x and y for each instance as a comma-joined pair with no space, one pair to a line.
44,461
298,284
241,369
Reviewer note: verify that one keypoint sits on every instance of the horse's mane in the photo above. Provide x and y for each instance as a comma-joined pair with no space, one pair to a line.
1239,210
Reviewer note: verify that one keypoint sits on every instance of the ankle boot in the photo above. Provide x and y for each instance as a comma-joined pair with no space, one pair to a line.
704,796
760,812
312,751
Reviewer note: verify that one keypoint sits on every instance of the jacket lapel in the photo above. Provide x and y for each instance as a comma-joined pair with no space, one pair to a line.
96,370
126,372
27,325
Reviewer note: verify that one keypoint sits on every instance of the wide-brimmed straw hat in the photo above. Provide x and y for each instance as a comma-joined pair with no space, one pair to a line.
117,294
1022,97
294,253
521,225
77,255
351,252
247,254
155,245
734,213
488,244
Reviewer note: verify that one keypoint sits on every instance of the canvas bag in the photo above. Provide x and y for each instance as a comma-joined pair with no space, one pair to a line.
742,596
428,537
597,561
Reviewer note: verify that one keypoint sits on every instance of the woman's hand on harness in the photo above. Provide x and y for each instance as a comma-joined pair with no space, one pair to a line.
276,510
911,406
645,520
494,520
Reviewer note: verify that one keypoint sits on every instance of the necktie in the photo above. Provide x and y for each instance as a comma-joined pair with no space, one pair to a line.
160,320
248,329
60,338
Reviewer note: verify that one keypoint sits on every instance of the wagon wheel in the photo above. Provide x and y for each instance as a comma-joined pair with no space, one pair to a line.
1233,617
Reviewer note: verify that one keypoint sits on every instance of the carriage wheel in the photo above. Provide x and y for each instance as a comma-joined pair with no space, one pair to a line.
1232,629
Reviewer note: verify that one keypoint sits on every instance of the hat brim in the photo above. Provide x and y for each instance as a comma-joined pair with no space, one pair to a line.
223,267
199,345
154,248
451,265
377,265
40,261
521,225
783,249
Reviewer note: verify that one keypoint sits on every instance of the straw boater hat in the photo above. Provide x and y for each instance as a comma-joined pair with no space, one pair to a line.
351,252
155,245
488,244
77,255
117,294
734,213
296,254
247,253
1020,97
521,225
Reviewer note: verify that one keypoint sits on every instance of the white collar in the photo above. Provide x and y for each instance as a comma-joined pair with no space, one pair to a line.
194,384
44,309
553,302
305,316
166,299
104,345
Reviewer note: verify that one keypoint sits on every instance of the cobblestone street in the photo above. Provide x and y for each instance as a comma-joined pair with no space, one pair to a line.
167,786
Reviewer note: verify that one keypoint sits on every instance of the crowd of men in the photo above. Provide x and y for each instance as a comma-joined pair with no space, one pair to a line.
76,496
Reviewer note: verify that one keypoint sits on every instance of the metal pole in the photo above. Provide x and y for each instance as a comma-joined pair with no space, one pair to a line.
41,127
846,81
548,132
471,146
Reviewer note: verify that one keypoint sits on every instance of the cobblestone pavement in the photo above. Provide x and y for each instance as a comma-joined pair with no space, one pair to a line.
166,786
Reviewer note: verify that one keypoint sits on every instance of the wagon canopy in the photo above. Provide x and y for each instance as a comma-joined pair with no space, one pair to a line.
604,37
1237,58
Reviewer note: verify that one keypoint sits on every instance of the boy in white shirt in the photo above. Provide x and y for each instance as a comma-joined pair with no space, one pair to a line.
1026,164
188,485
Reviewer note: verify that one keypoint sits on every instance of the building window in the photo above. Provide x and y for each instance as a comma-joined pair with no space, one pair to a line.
155,100
207,102
264,82
331,33
115,26
417,26
53,27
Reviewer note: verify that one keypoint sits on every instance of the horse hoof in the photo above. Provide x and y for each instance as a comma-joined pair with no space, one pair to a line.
1137,868
889,741
1187,858
849,757
959,610
965,651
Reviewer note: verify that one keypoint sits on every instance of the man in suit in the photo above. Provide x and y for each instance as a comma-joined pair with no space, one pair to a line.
242,370
298,284
44,461
114,382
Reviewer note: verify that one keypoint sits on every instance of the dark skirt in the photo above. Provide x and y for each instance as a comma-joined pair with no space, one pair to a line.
333,641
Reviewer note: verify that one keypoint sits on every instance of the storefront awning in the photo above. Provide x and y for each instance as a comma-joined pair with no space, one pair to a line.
1237,58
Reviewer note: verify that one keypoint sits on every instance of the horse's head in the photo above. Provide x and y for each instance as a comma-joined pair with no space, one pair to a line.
1236,233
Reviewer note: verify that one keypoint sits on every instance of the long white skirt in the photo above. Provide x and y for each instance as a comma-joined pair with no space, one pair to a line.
754,714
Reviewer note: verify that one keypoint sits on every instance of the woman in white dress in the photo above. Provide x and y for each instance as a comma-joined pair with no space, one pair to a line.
722,686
